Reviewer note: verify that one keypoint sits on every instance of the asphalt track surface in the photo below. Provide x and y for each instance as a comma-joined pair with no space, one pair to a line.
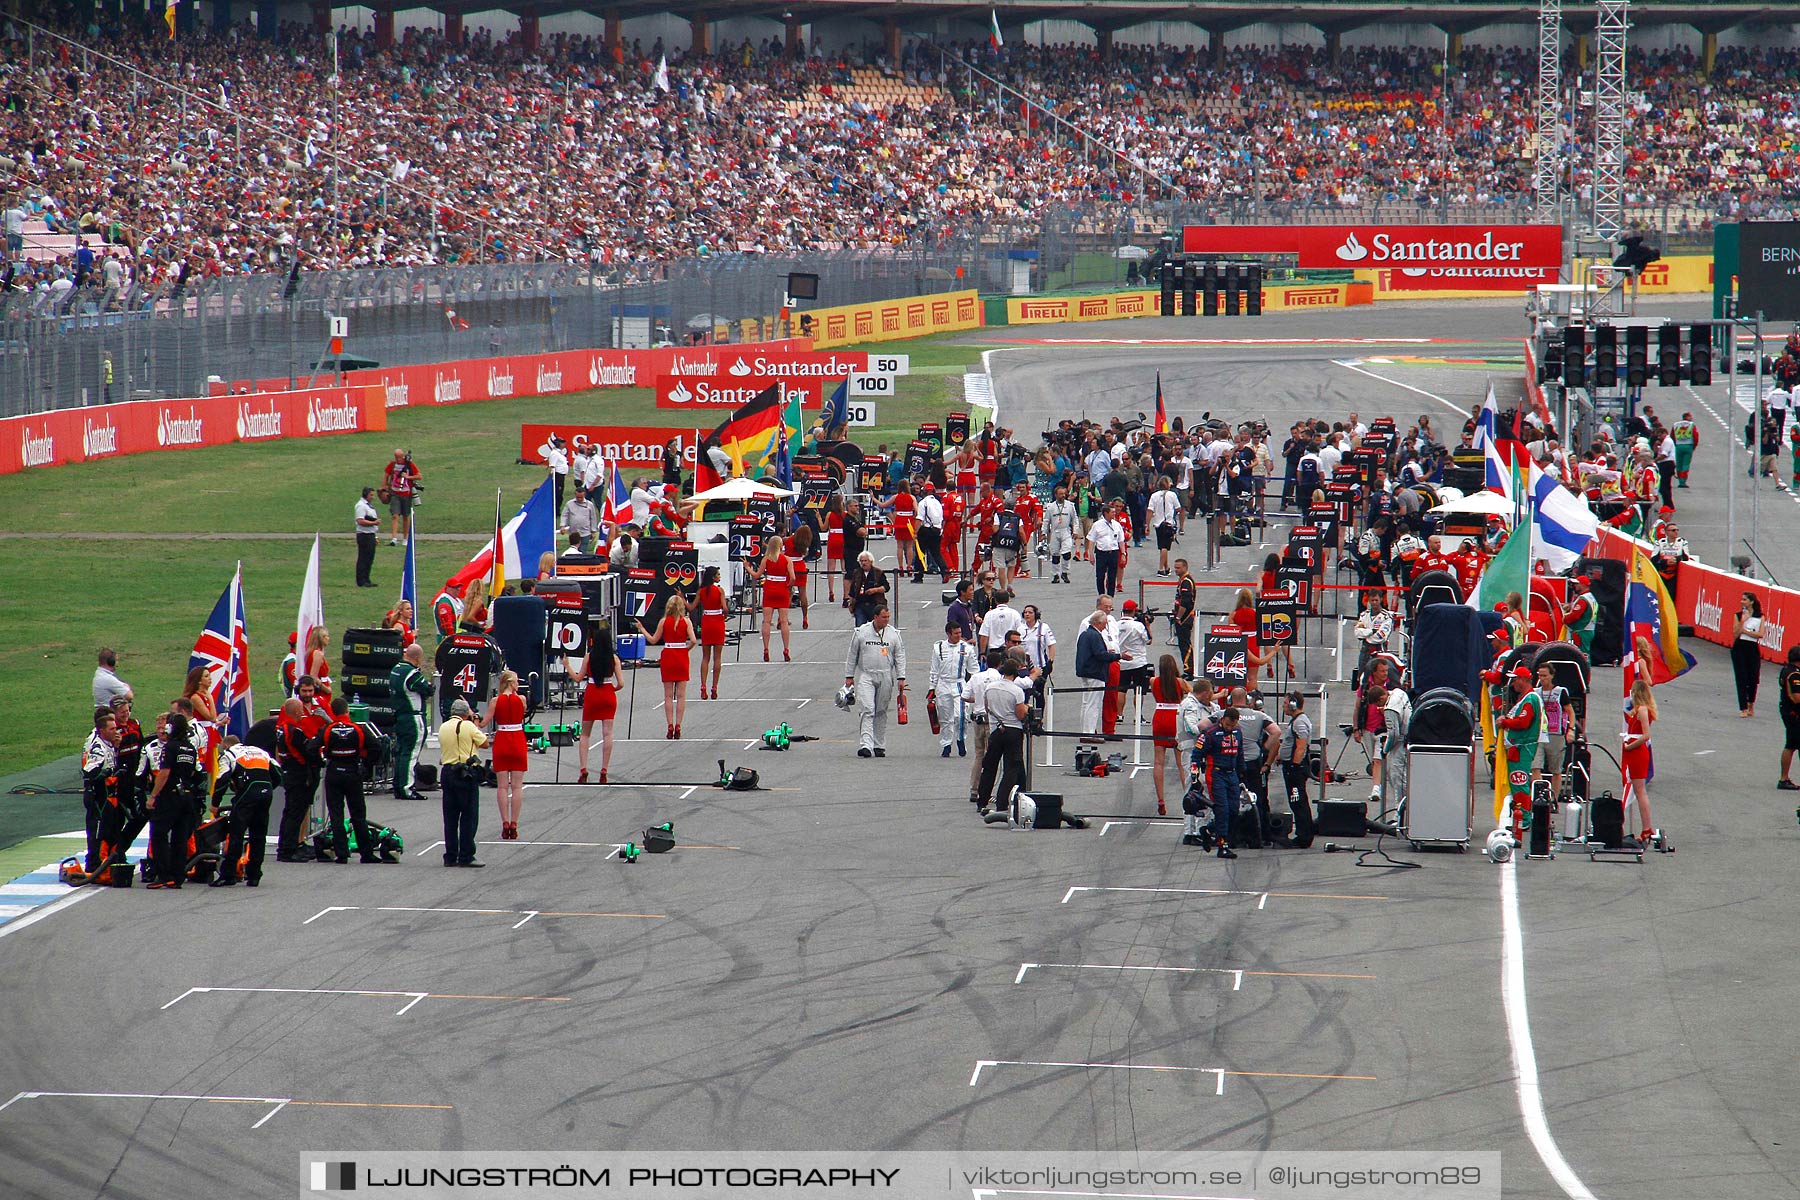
827,964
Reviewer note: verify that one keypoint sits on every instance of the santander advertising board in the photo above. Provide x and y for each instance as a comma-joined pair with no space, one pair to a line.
1518,247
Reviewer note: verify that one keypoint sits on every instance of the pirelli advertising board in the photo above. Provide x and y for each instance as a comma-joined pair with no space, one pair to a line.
891,320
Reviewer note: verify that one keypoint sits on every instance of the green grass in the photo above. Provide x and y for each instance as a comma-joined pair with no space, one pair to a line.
65,596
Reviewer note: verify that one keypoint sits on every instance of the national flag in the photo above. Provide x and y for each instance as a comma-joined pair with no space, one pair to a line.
457,323
1562,524
661,79
995,41
401,168
169,15
1650,617
1498,454
224,649
523,540
1508,571
497,569
312,605
617,510
836,410
792,426
744,437
310,153
409,572
1162,413
784,461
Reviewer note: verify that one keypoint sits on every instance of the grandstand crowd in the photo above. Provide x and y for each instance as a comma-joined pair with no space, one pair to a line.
216,153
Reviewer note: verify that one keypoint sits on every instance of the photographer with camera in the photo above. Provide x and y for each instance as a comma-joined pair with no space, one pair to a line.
400,488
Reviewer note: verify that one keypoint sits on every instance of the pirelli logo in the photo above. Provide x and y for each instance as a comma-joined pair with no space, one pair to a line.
1319,297
915,316
940,312
1132,306
1041,310
1097,307
865,322
834,326
1654,275
965,308
890,320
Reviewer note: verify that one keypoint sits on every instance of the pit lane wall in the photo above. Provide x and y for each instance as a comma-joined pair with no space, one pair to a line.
74,435
1142,302
1706,598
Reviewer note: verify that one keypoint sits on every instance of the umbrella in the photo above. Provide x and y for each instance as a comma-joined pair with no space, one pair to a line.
1490,504
1127,252
740,490
706,320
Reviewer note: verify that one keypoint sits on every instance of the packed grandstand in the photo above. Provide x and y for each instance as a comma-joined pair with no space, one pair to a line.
217,150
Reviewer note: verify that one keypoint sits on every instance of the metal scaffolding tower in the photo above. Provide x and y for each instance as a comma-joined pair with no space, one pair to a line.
1612,19
1547,178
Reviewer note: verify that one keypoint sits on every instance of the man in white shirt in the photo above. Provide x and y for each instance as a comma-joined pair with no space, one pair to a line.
641,502
593,467
1330,455
1184,483
556,457
1000,620
1165,512
1106,538
1780,400
974,693
368,533
107,683
1134,651
952,663
931,531
1003,705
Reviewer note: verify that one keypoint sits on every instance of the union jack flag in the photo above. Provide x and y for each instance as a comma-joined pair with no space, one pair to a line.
224,649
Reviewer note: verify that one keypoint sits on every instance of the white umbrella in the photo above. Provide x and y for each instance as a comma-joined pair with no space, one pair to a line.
1126,252
1488,504
740,490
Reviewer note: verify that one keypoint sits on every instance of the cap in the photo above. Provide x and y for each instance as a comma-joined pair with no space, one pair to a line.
1521,672
930,487
1664,509
293,640
1130,606
1583,580
1500,607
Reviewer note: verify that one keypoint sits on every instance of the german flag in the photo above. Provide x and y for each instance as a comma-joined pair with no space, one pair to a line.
744,437
1162,412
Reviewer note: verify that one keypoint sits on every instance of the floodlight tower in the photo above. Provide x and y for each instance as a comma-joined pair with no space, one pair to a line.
1612,19
1547,179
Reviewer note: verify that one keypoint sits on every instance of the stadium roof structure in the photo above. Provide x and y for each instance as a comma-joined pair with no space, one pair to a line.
1214,15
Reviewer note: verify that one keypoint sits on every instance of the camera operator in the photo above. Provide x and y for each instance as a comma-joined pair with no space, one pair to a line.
400,480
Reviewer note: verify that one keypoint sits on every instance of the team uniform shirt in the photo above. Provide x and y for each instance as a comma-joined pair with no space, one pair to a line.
1001,620
1107,534
99,758
952,663
367,520
876,653
1039,640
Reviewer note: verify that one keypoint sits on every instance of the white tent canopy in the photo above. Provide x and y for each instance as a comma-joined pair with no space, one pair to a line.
1490,504
739,490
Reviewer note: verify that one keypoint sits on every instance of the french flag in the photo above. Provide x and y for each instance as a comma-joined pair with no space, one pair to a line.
528,536
1562,524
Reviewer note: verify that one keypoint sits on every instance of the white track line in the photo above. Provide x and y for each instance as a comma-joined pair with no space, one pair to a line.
1407,386
1518,1028
32,918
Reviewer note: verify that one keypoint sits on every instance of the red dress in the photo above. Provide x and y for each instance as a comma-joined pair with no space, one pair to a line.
510,753
800,570
834,535
778,575
675,637
904,508
1635,764
1162,722
599,700
712,615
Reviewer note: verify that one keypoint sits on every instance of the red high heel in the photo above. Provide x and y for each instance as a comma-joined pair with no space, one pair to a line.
583,776
765,654
786,657
678,733
603,776
806,622
1160,810
669,734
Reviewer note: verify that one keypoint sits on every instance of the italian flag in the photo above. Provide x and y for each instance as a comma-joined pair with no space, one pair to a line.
994,39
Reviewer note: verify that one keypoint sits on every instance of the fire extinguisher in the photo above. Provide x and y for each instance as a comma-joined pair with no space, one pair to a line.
903,708
931,711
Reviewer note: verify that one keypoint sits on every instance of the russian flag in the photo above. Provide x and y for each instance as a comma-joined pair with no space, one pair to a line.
526,538
1562,524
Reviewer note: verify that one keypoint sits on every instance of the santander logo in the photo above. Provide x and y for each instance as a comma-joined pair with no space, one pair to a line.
398,395
832,367
740,368
446,389
325,417
548,381
97,440
1429,251
252,424
604,374
37,451
679,394
705,364
1352,250
179,431
1708,613
499,383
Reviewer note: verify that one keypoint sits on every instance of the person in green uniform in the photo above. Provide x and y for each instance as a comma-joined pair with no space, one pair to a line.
1523,726
1687,437
410,693
1580,615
